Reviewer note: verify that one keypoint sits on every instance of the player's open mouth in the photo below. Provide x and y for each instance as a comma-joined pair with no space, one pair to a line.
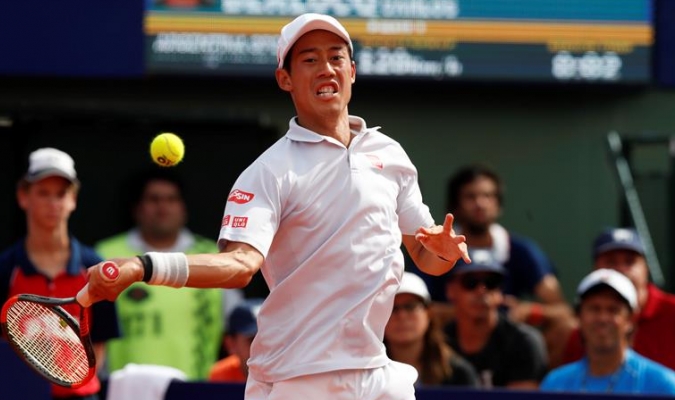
326,91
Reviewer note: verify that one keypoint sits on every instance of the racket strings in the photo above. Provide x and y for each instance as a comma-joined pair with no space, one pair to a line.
48,341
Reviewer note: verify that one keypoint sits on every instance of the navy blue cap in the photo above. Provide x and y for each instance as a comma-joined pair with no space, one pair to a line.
618,239
481,261
243,319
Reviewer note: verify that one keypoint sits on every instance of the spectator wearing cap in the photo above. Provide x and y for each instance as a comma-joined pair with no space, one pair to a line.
505,353
49,261
607,300
413,337
242,326
622,250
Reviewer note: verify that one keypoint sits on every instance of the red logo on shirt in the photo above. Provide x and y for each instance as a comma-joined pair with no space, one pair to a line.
226,220
240,197
375,160
239,222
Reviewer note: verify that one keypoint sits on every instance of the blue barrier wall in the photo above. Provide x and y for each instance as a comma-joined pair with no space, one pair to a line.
193,390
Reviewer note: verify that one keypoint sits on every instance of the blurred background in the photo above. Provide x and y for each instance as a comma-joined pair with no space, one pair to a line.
537,89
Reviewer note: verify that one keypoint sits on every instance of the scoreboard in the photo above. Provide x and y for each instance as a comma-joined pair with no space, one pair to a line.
583,41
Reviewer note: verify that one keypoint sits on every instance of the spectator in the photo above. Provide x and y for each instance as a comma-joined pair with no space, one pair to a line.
607,301
242,325
503,352
162,326
49,261
476,197
413,337
622,249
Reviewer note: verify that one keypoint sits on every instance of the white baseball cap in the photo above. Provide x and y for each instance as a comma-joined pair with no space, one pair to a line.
413,284
47,161
304,23
612,279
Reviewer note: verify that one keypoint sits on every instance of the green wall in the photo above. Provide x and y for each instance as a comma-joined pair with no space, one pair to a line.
548,142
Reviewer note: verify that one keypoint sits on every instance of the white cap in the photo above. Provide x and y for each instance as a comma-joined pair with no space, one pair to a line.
304,23
613,279
413,284
46,162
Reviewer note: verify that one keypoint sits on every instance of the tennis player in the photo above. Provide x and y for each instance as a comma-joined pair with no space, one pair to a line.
323,212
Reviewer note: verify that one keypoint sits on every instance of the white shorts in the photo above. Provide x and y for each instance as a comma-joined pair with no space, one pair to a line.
394,381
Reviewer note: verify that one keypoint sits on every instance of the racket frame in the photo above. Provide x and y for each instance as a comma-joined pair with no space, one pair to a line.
81,329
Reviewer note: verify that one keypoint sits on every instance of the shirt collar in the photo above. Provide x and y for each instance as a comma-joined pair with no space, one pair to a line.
300,134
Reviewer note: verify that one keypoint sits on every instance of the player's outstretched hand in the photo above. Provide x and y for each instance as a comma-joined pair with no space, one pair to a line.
442,241
130,271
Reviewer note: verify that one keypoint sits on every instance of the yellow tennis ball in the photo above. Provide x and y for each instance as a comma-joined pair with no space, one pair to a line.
167,149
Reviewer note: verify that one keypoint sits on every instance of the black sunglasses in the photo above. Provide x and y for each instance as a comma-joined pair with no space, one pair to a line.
472,281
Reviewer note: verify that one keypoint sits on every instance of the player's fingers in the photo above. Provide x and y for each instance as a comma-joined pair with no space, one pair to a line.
448,223
465,253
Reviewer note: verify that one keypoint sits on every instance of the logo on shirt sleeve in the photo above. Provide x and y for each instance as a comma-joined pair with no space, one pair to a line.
226,220
240,197
239,222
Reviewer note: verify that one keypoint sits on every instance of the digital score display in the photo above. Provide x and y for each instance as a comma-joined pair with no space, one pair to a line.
481,40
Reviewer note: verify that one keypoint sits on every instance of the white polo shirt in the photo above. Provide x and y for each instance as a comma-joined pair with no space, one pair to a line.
328,220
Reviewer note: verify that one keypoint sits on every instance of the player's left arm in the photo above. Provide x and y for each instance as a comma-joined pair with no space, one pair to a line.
436,249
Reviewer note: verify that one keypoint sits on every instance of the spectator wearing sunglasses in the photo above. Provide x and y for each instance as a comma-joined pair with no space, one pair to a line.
503,352
413,337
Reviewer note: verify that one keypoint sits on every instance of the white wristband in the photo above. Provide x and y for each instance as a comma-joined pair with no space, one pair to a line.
169,269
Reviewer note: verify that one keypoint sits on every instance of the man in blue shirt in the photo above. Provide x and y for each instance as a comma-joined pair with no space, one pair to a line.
607,302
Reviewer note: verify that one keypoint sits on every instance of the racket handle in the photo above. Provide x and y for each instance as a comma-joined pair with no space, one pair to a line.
109,272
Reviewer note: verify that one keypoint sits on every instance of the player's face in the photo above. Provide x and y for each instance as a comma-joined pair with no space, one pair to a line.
605,321
478,205
409,320
629,263
321,77
161,211
49,202
476,295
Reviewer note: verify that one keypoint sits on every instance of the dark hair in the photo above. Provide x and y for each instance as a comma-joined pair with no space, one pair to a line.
141,181
435,356
466,175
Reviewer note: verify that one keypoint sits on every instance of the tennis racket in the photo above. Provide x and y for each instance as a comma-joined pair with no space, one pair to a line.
49,339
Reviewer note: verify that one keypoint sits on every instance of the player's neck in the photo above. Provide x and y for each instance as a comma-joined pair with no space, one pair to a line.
336,126
601,363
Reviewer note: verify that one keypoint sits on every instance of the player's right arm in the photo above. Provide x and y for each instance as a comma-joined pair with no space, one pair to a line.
233,267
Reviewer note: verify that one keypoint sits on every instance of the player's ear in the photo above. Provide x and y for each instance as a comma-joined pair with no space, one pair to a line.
283,79
353,71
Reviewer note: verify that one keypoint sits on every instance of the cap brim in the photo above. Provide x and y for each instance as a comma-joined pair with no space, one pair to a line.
426,300
581,296
619,246
46,173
